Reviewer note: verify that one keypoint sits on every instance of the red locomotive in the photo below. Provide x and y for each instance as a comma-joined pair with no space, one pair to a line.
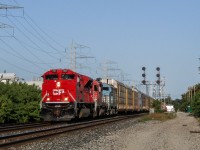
67,94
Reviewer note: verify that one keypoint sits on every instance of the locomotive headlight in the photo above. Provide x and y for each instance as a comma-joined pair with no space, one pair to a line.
48,99
58,84
66,99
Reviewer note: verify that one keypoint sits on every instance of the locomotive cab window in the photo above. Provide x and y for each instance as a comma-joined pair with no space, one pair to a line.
68,76
51,77
106,88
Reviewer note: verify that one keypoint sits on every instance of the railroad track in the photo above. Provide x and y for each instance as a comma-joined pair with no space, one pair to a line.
13,128
7,141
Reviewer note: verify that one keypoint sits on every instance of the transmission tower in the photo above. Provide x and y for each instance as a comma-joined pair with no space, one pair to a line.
108,67
74,57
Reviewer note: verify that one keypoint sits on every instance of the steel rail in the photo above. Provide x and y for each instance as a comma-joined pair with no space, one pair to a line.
21,127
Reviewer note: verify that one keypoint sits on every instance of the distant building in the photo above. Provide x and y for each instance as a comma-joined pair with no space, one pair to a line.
8,77
37,83
11,77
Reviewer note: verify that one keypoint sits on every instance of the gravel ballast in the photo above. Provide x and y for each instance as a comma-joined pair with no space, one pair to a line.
128,135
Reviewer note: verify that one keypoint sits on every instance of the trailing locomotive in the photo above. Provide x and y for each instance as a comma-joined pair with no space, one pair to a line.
67,94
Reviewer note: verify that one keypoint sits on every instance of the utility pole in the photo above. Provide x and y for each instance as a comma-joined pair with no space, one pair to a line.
189,94
199,66
6,8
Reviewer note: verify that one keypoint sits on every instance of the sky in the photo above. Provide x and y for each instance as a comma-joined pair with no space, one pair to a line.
112,34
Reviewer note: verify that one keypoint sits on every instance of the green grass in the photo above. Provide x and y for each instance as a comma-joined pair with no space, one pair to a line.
158,116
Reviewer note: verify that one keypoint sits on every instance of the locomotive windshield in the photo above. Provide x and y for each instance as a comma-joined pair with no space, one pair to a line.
106,88
51,77
67,76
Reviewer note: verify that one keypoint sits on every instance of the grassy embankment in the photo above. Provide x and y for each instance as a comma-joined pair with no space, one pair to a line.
158,116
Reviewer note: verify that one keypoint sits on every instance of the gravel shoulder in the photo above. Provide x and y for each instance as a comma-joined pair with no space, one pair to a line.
129,135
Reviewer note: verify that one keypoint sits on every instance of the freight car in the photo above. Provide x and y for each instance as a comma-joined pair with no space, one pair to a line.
126,99
67,94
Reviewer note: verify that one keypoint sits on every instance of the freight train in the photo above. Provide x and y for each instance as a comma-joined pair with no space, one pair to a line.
67,94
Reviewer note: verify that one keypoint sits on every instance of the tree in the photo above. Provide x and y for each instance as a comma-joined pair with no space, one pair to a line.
157,106
184,103
191,98
177,104
19,102
195,105
6,109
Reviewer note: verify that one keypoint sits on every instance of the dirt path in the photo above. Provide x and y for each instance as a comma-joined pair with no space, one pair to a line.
170,135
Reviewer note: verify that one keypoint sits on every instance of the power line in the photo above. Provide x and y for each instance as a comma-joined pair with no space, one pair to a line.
17,54
38,35
44,32
35,27
21,56
44,40
18,66
25,13
39,48
28,49
4,26
30,39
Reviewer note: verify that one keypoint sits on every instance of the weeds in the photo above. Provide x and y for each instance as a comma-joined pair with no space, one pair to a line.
158,116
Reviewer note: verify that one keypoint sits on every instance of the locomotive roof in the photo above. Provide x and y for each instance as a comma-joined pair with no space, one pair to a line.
83,78
52,71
